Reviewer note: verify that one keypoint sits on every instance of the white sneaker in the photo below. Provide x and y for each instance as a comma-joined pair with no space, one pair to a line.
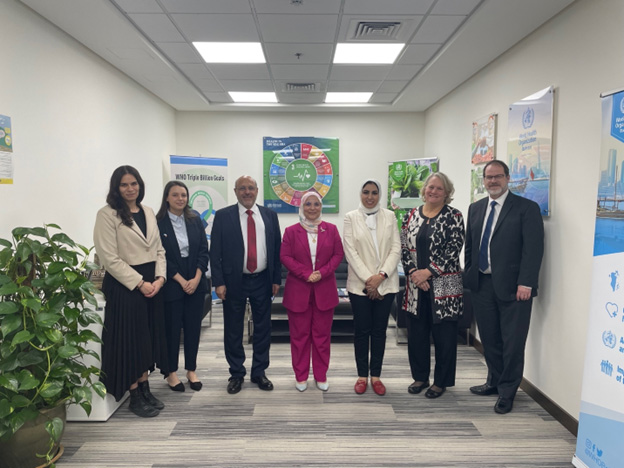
301,386
323,386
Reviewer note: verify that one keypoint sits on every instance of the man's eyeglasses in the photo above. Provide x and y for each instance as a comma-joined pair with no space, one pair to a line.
490,178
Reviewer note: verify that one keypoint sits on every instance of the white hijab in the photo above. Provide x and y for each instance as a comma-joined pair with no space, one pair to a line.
370,213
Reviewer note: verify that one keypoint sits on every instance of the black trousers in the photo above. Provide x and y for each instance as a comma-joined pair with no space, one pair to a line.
419,331
370,322
258,289
185,312
503,329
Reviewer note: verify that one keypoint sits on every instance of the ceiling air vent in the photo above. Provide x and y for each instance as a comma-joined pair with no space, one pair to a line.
376,30
301,87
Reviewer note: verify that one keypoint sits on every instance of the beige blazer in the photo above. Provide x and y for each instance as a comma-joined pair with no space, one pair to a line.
120,246
361,254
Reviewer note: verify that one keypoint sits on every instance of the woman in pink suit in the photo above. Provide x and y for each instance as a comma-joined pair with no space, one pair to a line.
311,251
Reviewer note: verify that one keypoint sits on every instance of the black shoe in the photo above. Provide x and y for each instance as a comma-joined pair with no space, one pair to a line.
263,382
431,393
197,386
503,405
177,388
416,389
234,385
485,389
140,407
144,390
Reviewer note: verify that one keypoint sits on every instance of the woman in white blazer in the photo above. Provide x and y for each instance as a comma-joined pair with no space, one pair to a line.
373,249
127,241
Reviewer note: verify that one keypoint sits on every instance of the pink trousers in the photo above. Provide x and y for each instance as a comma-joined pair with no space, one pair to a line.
310,333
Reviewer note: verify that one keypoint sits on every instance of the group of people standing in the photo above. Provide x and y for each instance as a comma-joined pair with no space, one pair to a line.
143,253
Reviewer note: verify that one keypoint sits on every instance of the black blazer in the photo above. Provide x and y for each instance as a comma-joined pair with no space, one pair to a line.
516,246
198,255
227,248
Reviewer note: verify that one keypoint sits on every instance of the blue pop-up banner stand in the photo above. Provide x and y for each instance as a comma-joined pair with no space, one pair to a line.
600,439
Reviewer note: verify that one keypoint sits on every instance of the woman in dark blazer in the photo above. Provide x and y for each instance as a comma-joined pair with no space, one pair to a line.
432,237
311,251
184,239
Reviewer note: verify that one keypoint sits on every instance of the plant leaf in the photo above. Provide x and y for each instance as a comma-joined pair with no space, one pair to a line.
10,323
27,380
9,382
67,351
21,337
5,243
20,401
5,409
99,388
32,303
8,288
50,389
55,429
8,364
55,267
30,357
46,319
54,335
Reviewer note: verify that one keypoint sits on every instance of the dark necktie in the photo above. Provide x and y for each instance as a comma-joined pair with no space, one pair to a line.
485,240
252,255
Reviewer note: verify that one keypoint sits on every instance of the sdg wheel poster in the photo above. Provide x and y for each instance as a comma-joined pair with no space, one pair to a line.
296,165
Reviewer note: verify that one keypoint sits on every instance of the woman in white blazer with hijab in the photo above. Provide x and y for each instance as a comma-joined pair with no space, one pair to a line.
373,249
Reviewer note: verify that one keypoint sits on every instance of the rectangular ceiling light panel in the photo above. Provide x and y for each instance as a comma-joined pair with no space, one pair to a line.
367,53
230,52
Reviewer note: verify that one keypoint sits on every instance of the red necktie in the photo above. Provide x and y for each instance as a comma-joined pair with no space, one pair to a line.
252,255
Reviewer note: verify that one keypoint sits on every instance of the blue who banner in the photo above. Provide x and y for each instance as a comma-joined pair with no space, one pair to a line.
600,439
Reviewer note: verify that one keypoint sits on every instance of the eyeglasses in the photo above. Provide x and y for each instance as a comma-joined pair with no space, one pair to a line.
490,178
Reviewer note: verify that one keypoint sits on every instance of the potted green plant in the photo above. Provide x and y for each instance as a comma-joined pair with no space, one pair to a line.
44,337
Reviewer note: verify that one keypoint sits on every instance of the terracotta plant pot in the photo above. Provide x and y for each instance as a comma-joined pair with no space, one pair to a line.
21,450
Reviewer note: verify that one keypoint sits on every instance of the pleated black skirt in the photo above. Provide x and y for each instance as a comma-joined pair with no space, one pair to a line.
133,340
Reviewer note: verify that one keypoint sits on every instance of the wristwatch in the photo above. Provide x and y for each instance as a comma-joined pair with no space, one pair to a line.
384,274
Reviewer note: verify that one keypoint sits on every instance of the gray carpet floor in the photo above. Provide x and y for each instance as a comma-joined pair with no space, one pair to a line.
285,428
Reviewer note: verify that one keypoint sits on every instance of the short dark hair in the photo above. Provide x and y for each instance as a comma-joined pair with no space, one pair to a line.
114,198
164,204
499,163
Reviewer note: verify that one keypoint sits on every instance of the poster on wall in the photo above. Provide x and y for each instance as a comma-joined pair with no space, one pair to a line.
529,147
6,136
601,417
6,168
484,139
477,189
206,179
296,165
405,180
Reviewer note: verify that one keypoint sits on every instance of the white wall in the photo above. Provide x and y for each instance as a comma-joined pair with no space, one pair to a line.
367,142
579,52
75,119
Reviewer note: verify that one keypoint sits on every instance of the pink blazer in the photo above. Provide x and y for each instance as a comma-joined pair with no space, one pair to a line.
295,256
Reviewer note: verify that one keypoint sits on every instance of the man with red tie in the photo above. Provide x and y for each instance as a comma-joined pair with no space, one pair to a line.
245,265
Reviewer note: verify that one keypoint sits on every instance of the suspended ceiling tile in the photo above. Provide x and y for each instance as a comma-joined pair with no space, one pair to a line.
303,28
305,7
180,52
217,27
359,72
392,86
139,6
454,7
195,71
284,53
238,71
219,97
403,72
203,6
383,98
248,85
418,54
378,7
353,86
157,27
300,72
437,29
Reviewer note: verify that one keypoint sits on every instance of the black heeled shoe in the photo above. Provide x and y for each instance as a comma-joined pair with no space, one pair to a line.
197,386
179,387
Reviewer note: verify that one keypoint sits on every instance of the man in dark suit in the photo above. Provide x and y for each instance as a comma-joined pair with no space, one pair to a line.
245,264
504,249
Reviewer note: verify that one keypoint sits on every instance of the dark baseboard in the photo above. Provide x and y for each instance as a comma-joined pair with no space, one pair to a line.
562,416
